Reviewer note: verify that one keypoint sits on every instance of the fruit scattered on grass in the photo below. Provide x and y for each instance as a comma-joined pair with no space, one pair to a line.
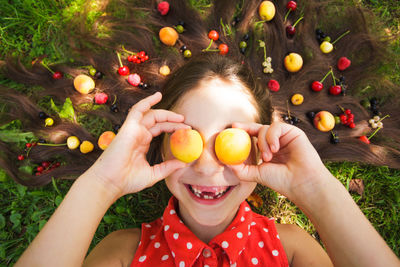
84,84
326,46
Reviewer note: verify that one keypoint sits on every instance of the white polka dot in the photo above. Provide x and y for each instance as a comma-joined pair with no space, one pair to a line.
172,212
275,252
265,230
180,221
152,237
142,258
239,235
157,244
189,245
240,252
253,223
161,218
249,233
261,244
164,258
242,219
176,235
254,261
246,208
225,244
173,254
166,228
233,265
147,225
206,265
140,242
277,236
182,264
233,228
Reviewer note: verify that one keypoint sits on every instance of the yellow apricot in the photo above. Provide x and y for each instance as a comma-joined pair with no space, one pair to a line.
84,84
168,36
186,145
86,147
232,146
105,139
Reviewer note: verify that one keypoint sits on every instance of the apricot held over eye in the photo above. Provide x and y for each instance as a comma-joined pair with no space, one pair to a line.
232,146
186,145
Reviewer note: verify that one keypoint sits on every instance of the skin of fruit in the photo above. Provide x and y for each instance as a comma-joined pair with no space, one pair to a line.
293,62
335,90
73,142
168,36
297,99
213,35
84,84
186,145
232,146
164,70
105,139
267,10
223,49
86,147
326,47
48,122
317,86
324,121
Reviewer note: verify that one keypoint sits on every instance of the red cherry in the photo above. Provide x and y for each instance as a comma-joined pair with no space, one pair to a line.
291,5
317,86
343,63
21,157
123,71
335,90
57,75
28,145
364,139
142,59
40,169
45,164
274,85
213,35
290,31
57,164
100,98
223,49
163,8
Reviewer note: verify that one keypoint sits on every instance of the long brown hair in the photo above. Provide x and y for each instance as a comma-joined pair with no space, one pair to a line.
366,50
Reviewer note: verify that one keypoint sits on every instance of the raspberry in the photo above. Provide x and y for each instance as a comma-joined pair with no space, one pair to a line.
343,63
273,85
163,8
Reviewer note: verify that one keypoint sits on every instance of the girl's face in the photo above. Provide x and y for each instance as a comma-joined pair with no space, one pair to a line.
209,193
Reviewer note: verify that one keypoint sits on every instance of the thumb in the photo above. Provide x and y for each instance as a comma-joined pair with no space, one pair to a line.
164,169
247,173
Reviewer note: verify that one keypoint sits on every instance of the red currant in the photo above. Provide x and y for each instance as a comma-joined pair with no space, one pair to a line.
40,169
146,57
57,164
223,49
343,118
291,5
28,145
130,58
213,35
45,164
138,61
123,71
21,157
352,125
141,54
347,111
38,173
57,75
317,86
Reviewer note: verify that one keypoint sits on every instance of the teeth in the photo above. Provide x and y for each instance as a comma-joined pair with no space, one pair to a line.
217,194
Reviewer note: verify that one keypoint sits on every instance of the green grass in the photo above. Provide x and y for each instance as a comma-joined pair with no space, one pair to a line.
31,28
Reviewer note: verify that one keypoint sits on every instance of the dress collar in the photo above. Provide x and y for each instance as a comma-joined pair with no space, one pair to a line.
185,246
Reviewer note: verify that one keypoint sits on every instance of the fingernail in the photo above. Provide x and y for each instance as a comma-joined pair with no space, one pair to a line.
273,147
265,155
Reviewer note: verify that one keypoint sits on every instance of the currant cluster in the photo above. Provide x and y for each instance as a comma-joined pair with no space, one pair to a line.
138,58
293,120
243,43
46,166
347,118
321,36
334,138
343,85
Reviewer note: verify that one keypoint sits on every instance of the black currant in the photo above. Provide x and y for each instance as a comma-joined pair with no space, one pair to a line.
373,101
235,21
310,115
243,50
286,118
145,86
114,108
182,23
42,115
334,140
98,75
318,31
116,128
183,48
295,120
246,37
323,35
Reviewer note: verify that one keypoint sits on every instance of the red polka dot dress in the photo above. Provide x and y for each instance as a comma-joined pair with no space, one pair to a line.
250,240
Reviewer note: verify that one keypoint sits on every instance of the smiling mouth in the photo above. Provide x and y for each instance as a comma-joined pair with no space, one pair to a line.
209,192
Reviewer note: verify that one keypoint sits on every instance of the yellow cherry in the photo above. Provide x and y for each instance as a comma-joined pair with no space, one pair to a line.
73,142
297,99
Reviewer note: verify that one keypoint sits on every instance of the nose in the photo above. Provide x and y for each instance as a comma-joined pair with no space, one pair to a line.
208,164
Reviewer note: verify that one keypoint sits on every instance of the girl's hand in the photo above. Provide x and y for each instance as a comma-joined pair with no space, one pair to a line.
123,166
290,164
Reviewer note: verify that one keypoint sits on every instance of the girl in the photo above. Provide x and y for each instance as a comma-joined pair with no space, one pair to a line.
209,93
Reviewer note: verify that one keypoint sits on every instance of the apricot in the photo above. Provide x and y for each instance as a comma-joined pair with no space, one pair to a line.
186,145
105,139
232,146
84,84
266,10
324,121
168,36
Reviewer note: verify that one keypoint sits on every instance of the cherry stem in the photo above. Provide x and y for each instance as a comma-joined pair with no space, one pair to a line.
47,67
209,45
288,110
119,59
326,75
386,116
333,77
287,14
127,51
374,133
115,100
341,108
297,21
43,144
340,37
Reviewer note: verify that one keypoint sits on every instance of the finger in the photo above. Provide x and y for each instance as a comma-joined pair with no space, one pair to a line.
167,127
266,153
160,115
280,134
164,169
144,105
247,173
251,128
